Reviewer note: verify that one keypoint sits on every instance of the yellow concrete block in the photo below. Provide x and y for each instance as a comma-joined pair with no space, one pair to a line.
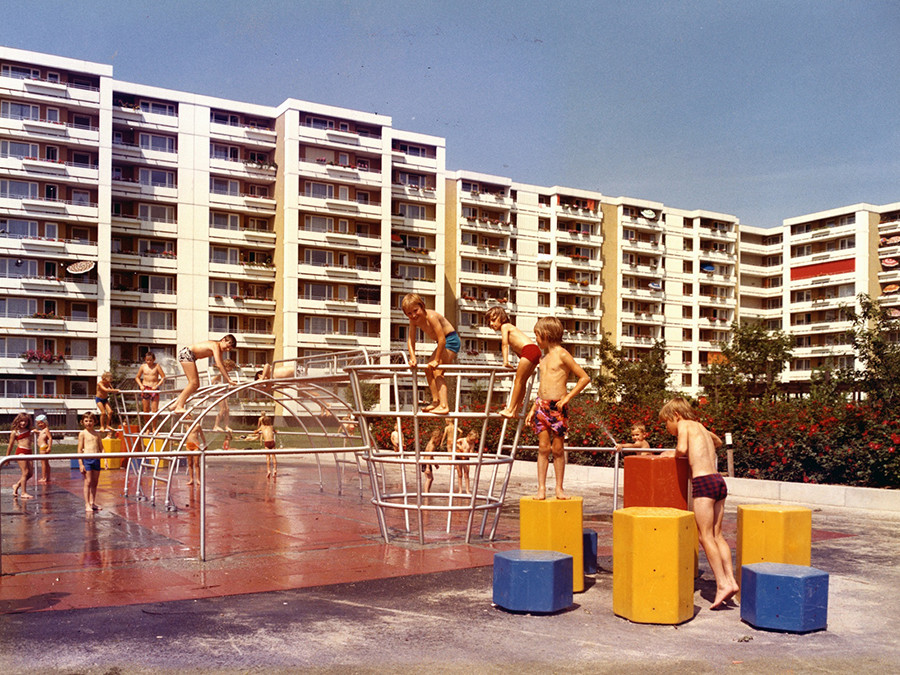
111,445
653,564
158,445
554,525
773,533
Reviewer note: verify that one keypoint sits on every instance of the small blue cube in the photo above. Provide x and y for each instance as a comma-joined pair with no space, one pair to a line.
790,598
590,551
533,581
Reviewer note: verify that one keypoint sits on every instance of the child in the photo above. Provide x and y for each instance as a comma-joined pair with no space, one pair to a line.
468,446
89,442
639,439
550,412
431,447
435,326
195,441
265,432
699,445
224,415
45,445
529,356
101,398
20,439
188,356
149,378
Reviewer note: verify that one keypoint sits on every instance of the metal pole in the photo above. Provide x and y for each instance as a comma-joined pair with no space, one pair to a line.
203,505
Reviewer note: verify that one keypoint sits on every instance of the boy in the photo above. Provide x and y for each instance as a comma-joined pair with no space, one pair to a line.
45,445
101,398
188,356
195,440
435,326
224,415
529,356
549,411
466,446
699,445
265,433
89,442
149,378
639,439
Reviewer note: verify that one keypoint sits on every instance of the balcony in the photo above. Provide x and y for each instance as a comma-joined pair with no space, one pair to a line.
145,262
144,190
342,174
133,115
339,273
53,131
249,271
245,135
416,225
54,93
134,225
487,200
335,138
651,245
354,307
244,170
50,286
247,203
42,246
158,334
488,225
33,168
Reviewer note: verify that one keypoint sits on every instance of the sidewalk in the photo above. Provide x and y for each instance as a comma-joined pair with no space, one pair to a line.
298,578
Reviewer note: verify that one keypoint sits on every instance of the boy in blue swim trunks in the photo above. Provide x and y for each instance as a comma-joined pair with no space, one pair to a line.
89,442
550,411
709,490
435,326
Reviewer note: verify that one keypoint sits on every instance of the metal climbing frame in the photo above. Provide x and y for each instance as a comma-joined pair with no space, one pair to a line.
394,489
321,420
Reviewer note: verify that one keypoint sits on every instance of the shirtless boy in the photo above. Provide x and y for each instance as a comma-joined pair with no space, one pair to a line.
265,433
45,445
638,439
529,356
550,411
89,442
101,398
195,440
699,445
149,378
188,356
435,326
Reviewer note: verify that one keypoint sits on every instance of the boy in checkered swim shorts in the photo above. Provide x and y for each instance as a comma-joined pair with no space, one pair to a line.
709,490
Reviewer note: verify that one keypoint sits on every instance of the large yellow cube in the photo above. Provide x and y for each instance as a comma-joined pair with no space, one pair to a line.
157,445
773,533
554,525
653,564
111,445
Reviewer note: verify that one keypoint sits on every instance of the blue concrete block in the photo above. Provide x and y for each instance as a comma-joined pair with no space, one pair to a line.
590,551
777,596
533,581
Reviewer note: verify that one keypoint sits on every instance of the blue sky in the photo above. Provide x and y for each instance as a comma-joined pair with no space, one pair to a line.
762,109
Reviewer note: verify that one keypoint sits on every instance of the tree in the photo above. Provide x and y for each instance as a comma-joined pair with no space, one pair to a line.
752,360
871,336
643,382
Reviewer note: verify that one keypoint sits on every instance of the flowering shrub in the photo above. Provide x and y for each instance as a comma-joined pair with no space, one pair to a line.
799,441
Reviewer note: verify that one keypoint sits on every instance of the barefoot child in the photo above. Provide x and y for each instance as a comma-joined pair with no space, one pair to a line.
149,378
529,356
188,356
699,445
638,437
20,441
265,433
89,442
195,441
224,415
45,445
101,398
467,446
433,445
549,411
435,326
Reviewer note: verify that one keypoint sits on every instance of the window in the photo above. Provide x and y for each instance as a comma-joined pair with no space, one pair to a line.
18,149
223,186
155,247
228,152
78,311
225,255
258,224
81,121
20,72
156,213
411,210
411,179
15,227
81,197
687,312
219,323
411,271
10,388
319,190
319,258
224,288
258,157
314,291
18,189
343,193
362,197
156,320
258,190
157,178
156,284
80,159
413,151
11,347
224,221
19,111
318,224
259,324
78,389
225,118
18,267
319,123
158,108
414,241
318,325
158,143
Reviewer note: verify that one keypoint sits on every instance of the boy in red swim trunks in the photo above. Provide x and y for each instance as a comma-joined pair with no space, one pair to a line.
529,356
699,445
550,412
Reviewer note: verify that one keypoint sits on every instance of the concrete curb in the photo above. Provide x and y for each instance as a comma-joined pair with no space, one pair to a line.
769,490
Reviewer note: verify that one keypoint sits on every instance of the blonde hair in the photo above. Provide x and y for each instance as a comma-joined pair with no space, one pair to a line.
497,313
677,408
410,300
265,420
550,328
106,376
229,364
639,427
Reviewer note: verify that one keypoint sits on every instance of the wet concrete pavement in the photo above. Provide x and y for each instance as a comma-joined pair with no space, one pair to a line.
300,579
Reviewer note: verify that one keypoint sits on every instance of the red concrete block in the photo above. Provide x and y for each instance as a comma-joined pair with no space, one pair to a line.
651,480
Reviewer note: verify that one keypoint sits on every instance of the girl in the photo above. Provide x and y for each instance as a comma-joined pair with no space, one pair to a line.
20,439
